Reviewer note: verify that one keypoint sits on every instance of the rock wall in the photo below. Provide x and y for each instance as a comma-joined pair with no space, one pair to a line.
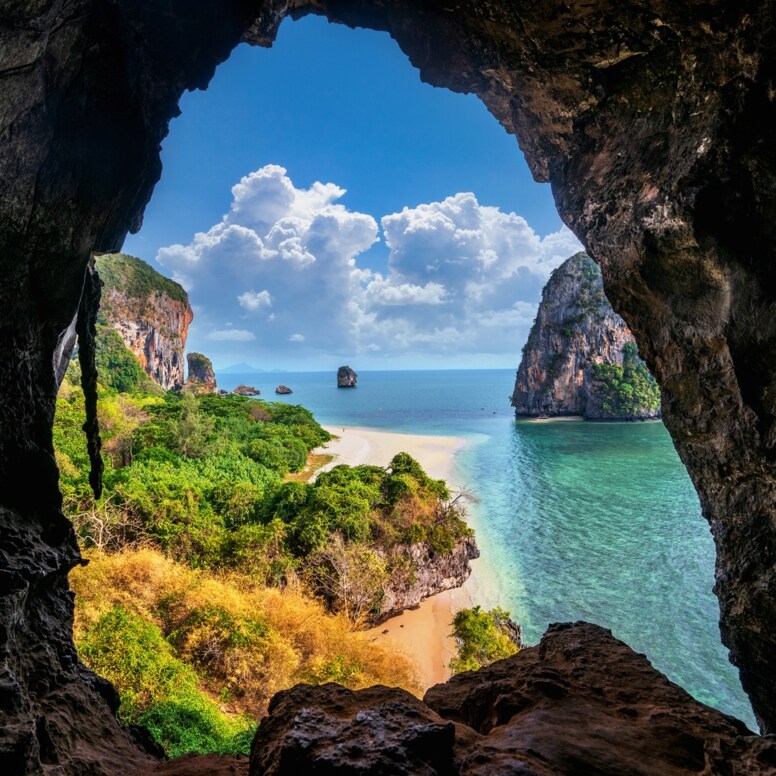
431,573
581,702
150,312
575,327
653,122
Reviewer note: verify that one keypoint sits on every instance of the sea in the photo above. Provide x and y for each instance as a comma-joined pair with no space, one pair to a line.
574,520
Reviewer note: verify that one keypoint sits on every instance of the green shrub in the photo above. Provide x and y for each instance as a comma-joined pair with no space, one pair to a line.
157,689
482,638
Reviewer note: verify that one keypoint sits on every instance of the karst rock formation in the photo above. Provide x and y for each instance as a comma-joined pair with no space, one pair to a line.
575,333
151,314
653,121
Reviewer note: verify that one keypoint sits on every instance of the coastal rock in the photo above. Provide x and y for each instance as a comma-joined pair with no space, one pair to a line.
201,378
283,389
151,314
581,702
346,377
381,730
428,573
246,390
576,339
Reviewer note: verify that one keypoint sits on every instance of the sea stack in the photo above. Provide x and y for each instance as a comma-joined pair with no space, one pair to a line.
283,389
346,377
246,390
202,378
581,358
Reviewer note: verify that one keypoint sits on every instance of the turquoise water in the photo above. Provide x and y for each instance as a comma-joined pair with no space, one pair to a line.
581,520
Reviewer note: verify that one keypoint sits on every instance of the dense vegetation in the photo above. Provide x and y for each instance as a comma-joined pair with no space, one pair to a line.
217,579
628,390
482,638
136,278
196,656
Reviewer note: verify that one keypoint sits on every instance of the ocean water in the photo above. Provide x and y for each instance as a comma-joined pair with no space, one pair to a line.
591,521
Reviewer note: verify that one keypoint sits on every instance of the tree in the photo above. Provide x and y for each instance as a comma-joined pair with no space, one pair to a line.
351,577
191,431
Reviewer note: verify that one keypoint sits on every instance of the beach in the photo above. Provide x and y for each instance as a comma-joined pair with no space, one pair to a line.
423,634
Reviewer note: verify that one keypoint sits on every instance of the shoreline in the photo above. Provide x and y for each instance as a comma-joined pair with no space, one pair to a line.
423,634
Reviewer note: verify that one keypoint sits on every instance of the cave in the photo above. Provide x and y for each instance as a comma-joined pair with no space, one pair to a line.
653,124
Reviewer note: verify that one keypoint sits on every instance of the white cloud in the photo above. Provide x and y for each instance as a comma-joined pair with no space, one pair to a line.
460,277
231,335
255,300
383,292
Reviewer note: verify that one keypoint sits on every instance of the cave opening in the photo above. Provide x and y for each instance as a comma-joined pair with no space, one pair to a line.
587,118
240,311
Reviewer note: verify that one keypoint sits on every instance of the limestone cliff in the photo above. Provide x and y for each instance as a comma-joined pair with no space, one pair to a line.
151,314
581,358
428,573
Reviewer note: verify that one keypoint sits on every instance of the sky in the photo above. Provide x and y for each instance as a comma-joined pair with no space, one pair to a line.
324,206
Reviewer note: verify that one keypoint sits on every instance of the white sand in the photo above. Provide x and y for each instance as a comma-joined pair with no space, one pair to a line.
423,634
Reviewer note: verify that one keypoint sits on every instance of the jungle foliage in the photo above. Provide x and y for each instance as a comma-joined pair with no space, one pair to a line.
215,580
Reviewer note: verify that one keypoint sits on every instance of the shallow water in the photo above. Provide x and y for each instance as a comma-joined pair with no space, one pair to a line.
593,521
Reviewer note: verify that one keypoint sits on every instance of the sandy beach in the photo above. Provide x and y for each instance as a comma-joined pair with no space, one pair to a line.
423,634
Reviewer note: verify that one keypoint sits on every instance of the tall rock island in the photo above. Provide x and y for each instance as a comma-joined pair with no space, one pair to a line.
346,377
149,312
581,358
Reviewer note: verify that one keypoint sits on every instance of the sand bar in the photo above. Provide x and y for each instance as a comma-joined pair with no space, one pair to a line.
423,634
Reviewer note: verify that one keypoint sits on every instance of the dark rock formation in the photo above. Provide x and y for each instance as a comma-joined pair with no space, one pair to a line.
246,390
346,377
581,702
201,377
380,730
283,389
200,765
150,312
575,330
653,122
429,573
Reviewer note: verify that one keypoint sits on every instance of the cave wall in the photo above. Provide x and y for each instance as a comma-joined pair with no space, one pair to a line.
653,122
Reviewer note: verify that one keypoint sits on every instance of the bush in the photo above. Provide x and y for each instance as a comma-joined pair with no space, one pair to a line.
161,631
482,638
157,689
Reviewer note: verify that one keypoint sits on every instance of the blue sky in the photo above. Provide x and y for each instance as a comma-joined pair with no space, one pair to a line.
324,206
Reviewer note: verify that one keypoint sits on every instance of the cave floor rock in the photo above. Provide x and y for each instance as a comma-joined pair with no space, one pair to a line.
581,702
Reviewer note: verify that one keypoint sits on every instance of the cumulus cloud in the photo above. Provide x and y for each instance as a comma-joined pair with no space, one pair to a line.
231,335
255,300
459,276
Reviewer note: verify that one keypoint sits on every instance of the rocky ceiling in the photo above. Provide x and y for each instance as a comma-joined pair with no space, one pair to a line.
653,120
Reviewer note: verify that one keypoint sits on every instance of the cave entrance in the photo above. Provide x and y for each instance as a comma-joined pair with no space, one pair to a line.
294,265
636,117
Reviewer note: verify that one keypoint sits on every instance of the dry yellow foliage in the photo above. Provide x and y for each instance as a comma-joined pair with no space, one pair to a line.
246,641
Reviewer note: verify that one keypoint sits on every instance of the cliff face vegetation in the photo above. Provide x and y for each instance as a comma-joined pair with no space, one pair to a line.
149,312
654,124
580,357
